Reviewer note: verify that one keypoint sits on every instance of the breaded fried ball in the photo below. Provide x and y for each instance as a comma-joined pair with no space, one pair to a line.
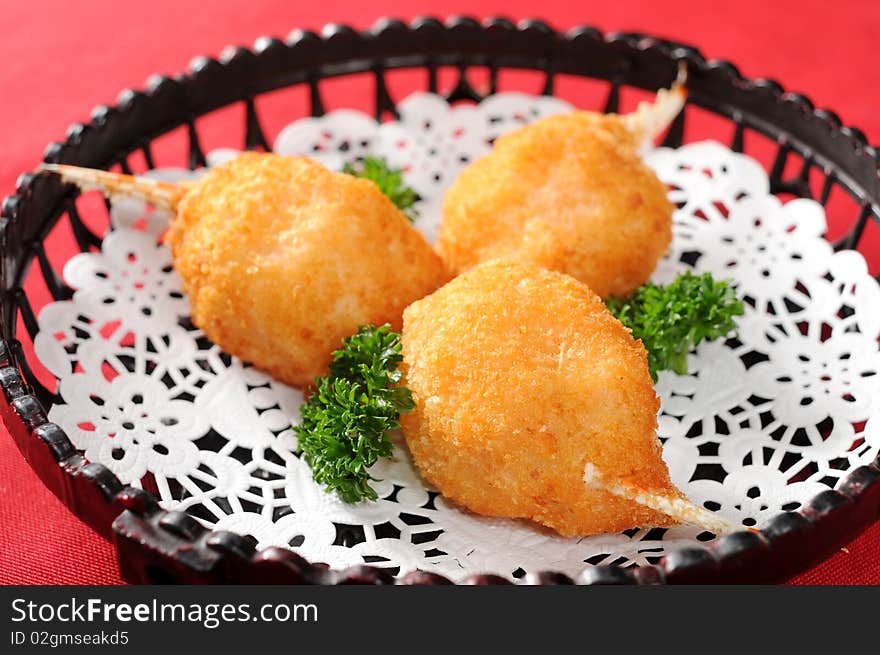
281,258
521,377
568,192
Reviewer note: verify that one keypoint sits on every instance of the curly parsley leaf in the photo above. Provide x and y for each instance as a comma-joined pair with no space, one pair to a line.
390,182
345,423
673,319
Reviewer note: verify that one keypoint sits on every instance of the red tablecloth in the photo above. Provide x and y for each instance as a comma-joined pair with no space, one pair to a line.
60,58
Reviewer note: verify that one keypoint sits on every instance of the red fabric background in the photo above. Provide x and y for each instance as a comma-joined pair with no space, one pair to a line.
59,59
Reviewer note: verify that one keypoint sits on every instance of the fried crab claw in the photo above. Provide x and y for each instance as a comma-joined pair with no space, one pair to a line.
280,257
675,507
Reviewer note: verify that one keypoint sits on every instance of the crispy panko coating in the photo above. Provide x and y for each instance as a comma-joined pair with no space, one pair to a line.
521,377
281,258
568,192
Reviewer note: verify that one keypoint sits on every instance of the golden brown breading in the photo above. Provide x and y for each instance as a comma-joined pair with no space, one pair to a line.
568,192
282,258
521,376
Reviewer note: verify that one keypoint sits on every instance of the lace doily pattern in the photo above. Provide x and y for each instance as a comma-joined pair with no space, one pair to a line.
760,423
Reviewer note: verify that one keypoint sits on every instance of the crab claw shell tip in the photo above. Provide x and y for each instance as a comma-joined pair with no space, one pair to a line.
162,195
649,120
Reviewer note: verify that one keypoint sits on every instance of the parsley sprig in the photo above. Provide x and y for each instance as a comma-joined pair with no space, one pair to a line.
390,182
345,423
671,320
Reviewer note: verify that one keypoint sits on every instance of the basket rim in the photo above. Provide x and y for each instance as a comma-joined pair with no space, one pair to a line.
171,544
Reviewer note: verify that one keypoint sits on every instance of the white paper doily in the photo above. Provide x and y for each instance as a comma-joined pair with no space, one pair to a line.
759,425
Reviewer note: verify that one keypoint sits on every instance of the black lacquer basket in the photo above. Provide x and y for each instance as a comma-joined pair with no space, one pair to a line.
160,546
